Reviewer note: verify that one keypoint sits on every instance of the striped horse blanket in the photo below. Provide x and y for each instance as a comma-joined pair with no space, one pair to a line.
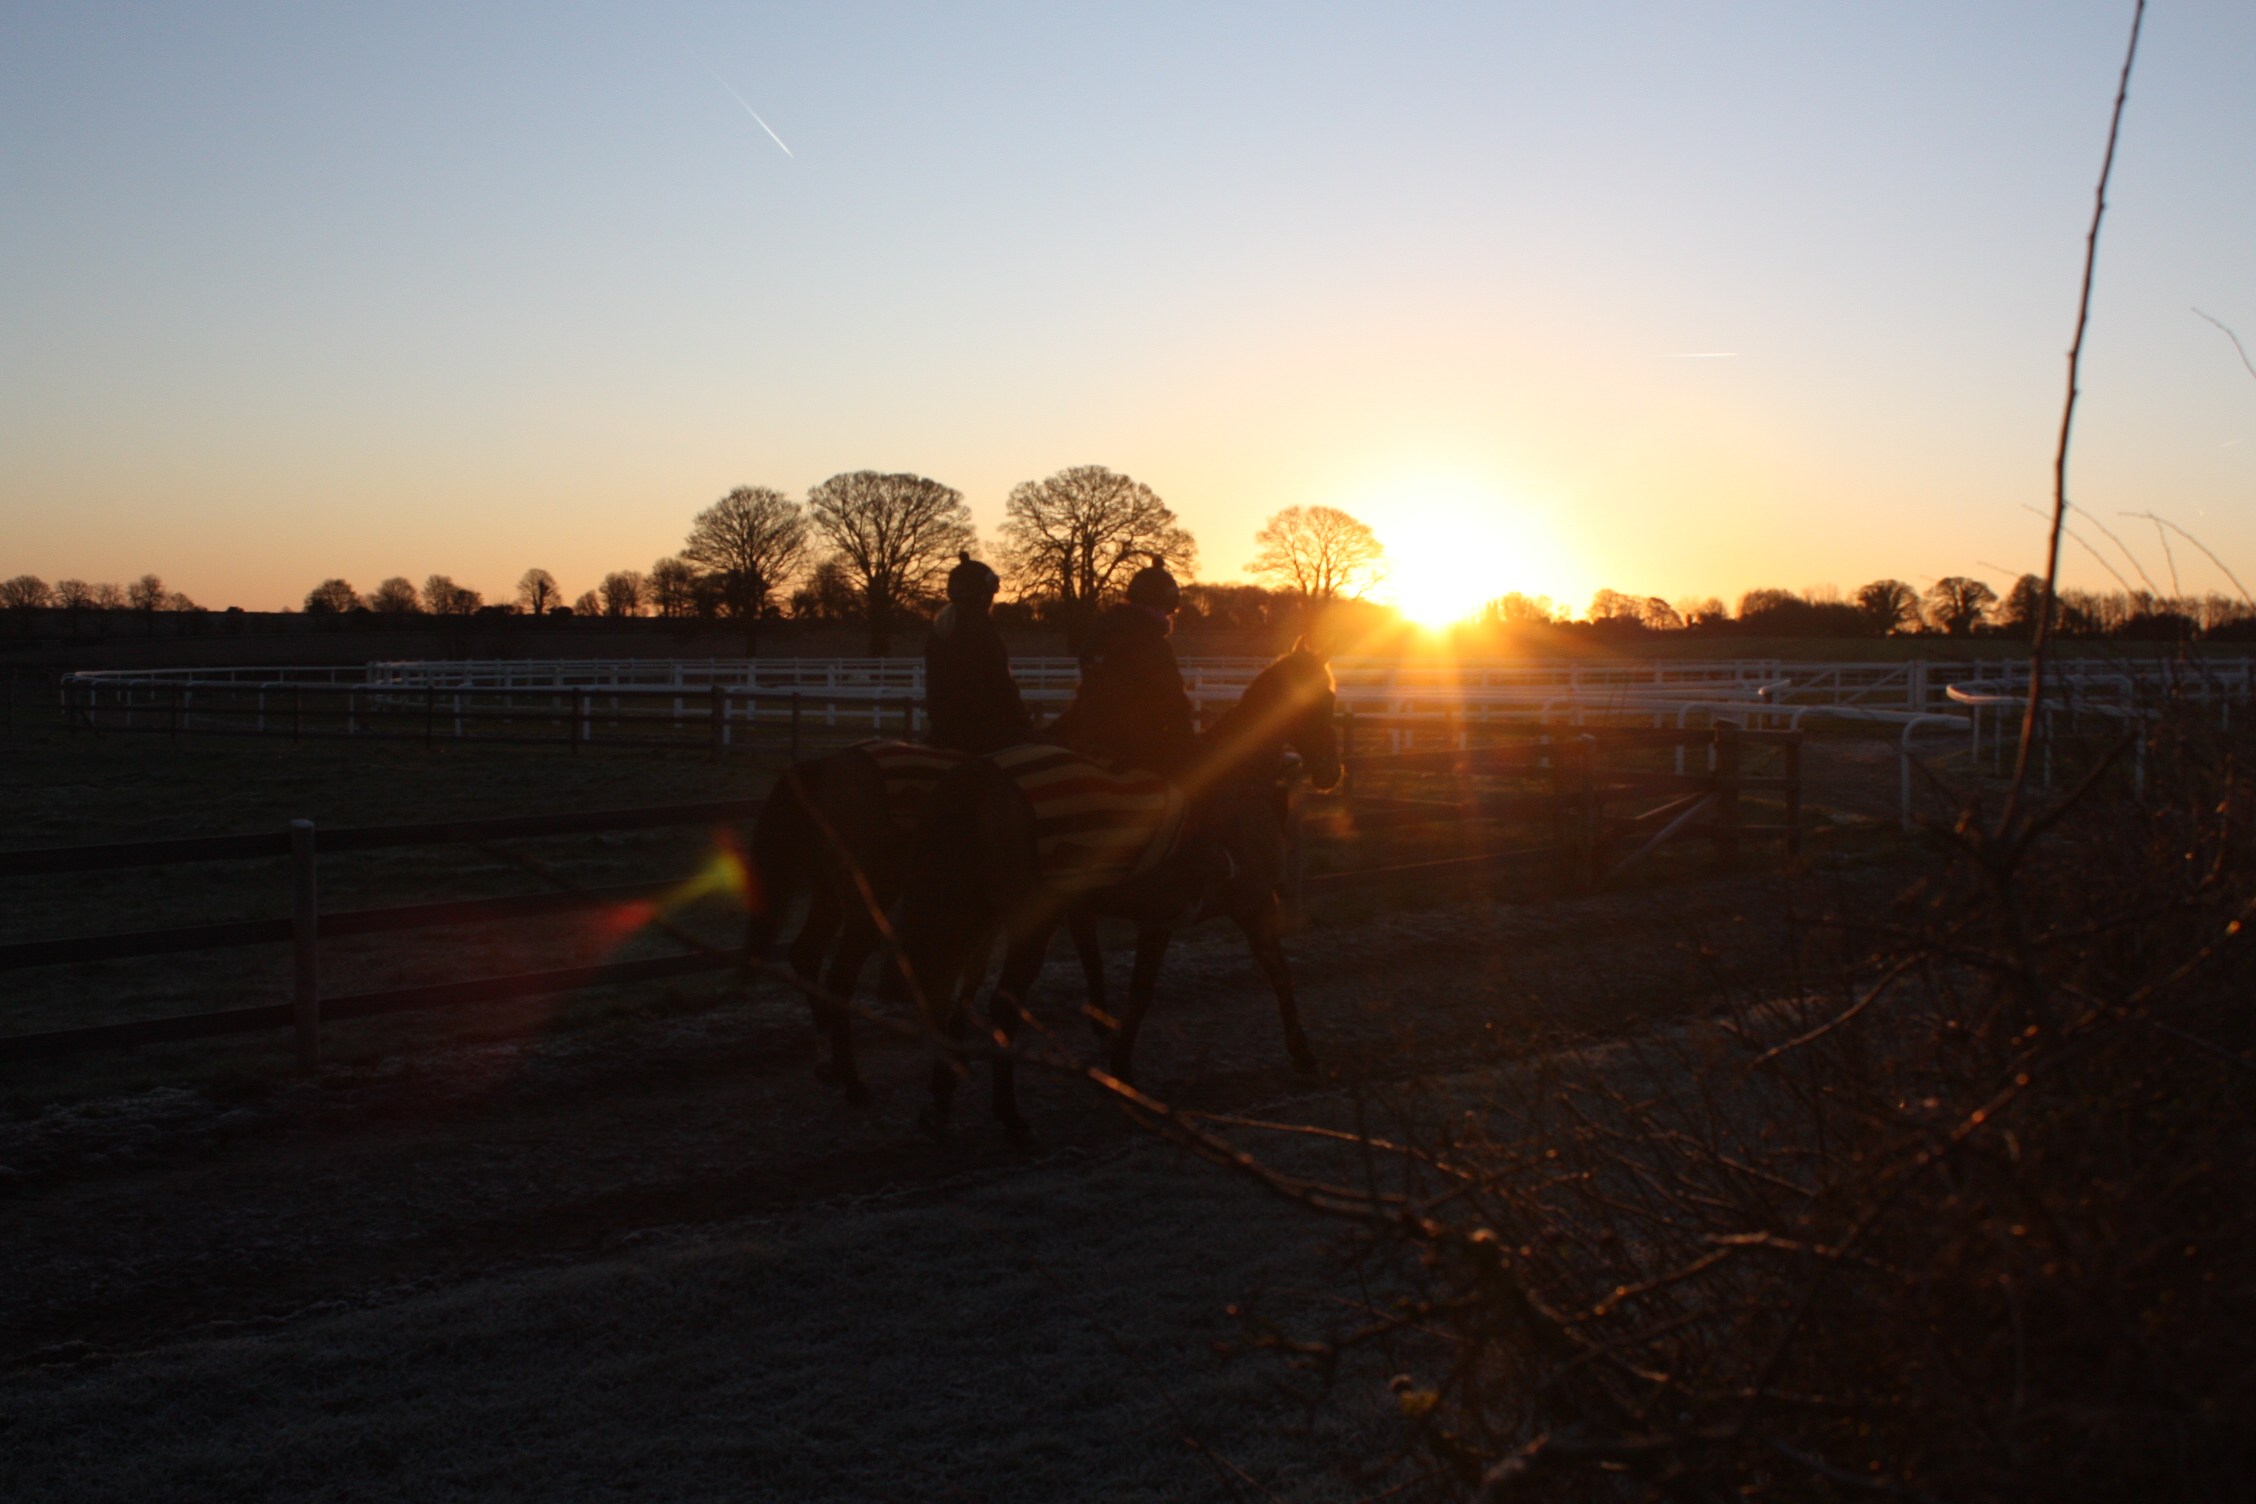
1094,824
910,773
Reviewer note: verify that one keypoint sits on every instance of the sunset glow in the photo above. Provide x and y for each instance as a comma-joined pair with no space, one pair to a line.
1453,548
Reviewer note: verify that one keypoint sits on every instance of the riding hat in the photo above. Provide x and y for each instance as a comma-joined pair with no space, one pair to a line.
971,582
1153,586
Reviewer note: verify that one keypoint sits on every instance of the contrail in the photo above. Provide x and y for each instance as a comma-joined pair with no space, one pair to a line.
755,114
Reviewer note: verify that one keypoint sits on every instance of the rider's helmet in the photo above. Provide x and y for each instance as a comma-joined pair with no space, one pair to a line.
972,583
1154,587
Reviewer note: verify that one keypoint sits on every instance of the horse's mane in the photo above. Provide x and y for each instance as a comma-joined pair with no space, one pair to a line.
1258,723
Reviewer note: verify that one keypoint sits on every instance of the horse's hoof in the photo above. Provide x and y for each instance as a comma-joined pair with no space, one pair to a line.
931,1122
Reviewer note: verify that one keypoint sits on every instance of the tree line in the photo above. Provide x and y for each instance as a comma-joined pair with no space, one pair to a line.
1953,606
872,549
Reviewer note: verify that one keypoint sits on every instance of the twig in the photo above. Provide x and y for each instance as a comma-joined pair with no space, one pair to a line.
2043,635
2221,324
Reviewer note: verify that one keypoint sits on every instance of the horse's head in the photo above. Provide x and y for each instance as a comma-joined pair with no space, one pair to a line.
1288,704
1291,703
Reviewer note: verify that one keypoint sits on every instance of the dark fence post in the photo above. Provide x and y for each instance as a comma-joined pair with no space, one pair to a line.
1727,793
304,932
1794,796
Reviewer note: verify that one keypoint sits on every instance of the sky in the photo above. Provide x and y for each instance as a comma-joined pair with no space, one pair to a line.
1676,299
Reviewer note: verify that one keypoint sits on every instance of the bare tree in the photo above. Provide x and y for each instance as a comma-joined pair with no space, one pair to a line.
443,597
623,592
1321,552
828,594
108,595
1888,604
755,539
73,595
146,594
1658,615
25,590
330,597
673,586
177,600
395,597
587,605
1958,605
1515,609
1074,534
1615,606
537,590
896,536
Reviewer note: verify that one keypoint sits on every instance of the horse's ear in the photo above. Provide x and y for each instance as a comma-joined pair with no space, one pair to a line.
1301,644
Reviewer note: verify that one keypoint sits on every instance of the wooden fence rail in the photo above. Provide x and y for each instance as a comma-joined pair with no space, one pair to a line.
302,844
1581,777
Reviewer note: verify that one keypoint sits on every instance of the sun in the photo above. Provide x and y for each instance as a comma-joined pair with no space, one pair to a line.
1452,549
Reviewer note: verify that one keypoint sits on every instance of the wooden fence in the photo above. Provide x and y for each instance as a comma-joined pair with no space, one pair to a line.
714,717
307,925
1573,787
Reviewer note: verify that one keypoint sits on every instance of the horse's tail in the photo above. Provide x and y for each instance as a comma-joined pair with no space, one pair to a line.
785,839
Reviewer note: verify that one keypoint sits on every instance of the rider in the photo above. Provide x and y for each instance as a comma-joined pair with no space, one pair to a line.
1131,707
969,693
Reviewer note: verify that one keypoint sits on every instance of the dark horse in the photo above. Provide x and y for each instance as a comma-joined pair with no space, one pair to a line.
825,830
976,873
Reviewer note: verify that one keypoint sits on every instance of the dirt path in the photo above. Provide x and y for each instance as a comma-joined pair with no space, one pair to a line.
134,1219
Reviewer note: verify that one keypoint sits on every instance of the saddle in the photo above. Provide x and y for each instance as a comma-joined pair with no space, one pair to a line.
1094,824
909,774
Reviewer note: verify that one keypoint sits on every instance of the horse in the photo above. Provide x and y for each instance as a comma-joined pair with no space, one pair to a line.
977,873
829,830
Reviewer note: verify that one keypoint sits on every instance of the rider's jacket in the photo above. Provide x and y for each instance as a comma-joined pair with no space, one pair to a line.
969,693
1131,707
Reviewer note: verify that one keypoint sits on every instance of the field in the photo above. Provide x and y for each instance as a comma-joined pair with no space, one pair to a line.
625,1243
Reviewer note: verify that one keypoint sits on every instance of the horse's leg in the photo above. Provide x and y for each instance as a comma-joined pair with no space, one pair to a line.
1262,920
1082,925
854,948
1006,1009
817,933
1143,981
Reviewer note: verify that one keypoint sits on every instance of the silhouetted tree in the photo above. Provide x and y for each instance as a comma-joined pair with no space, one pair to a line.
395,597
330,597
25,590
1614,607
146,594
107,595
896,536
443,597
755,538
1888,605
1516,608
1958,605
1320,552
673,587
1657,615
537,590
74,595
1702,613
623,593
589,604
828,595
1072,535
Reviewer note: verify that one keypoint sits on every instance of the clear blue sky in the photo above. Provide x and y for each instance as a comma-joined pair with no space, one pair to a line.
294,290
